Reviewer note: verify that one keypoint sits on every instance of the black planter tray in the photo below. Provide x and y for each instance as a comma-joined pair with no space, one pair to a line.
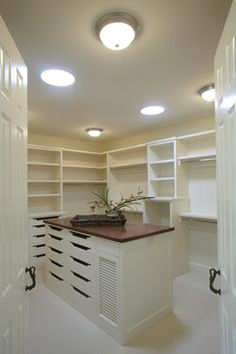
98,220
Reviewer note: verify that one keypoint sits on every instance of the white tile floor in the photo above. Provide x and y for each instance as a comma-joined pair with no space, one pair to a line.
56,328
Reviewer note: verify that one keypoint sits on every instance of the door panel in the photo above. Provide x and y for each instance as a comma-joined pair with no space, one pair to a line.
13,232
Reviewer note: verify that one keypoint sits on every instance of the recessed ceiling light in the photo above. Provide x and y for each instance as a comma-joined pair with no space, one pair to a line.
57,77
117,30
94,132
152,110
208,92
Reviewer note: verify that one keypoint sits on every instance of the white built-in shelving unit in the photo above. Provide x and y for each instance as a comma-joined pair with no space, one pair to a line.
126,174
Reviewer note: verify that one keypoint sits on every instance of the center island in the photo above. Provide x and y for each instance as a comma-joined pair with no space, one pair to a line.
119,277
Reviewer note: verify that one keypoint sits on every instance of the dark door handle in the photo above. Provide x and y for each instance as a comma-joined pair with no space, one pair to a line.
31,271
213,273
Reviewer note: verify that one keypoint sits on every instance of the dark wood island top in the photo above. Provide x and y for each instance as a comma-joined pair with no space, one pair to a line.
128,232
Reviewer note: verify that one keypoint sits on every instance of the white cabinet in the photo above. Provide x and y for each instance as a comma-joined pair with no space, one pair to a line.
122,287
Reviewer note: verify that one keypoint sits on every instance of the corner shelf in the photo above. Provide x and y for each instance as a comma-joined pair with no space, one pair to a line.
46,195
197,158
84,182
128,165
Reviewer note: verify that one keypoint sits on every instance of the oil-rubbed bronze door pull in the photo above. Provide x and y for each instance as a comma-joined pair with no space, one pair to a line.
31,271
213,273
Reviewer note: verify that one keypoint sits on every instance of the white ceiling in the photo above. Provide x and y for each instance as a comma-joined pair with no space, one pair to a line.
167,64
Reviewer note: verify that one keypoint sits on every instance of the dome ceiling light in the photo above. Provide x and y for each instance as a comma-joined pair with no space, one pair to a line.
117,30
208,92
94,132
57,77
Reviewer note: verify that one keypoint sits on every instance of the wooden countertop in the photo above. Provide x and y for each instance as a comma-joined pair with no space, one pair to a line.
128,232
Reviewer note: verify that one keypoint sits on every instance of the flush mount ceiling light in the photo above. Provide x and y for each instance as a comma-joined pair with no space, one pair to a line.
208,92
117,30
57,77
94,132
152,110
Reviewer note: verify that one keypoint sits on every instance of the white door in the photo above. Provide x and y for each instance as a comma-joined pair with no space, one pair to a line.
225,79
13,202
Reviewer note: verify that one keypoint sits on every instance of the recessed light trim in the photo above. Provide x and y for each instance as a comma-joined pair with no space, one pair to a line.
94,132
208,93
152,110
117,30
56,77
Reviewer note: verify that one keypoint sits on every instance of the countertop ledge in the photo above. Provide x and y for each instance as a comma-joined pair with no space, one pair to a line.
121,234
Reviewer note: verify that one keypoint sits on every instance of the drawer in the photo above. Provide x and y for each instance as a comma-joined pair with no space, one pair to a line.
80,299
54,241
39,259
55,255
55,283
39,239
82,239
55,230
38,221
81,283
39,249
79,251
38,230
80,267
55,268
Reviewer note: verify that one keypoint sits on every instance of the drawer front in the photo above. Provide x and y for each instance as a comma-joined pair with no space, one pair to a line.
79,251
39,249
55,230
37,222
55,268
38,230
55,241
38,240
80,282
77,237
55,283
80,267
80,299
55,255
39,259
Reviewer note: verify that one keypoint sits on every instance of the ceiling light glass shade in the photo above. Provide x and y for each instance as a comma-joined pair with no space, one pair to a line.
94,132
208,93
57,77
152,110
117,30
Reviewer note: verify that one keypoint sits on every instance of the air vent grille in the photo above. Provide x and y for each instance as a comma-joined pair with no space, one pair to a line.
108,289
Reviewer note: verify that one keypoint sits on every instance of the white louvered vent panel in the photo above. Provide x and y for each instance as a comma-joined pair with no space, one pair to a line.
108,289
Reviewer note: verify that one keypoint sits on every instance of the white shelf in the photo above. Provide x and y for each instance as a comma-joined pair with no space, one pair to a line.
31,163
43,181
128,165
160,162
199,217
85,167
162,179
46,214
196,136
84,182
46,195
197,158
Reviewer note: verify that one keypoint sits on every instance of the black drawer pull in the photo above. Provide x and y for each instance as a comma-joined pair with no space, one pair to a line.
81,262
55,237
57,264
81,292
40,255
55,250
56,276
55,228
80,235
80,246
80,276
38,236
39,226
39,246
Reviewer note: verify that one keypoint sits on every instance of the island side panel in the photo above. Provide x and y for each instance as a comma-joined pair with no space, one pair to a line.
146,278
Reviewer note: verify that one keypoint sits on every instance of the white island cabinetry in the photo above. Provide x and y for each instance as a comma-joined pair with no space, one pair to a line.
122,286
